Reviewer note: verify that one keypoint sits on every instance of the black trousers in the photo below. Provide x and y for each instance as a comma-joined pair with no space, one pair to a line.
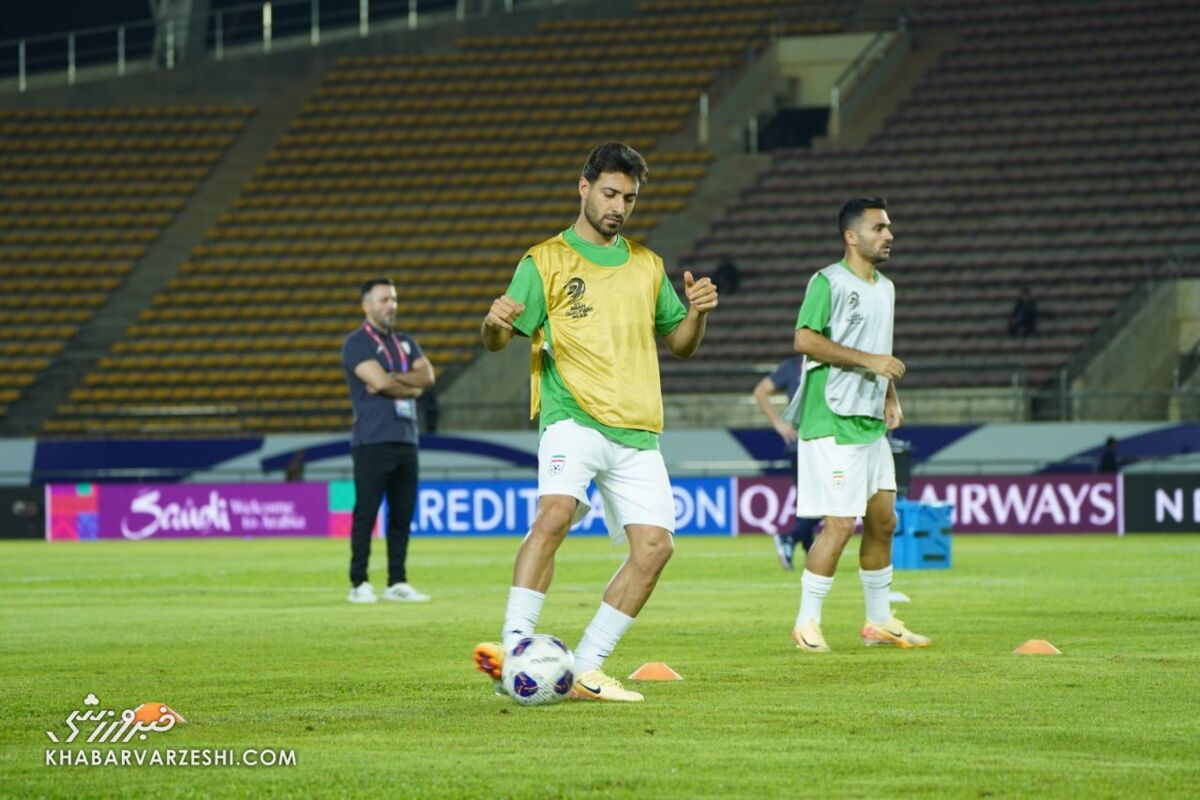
387,469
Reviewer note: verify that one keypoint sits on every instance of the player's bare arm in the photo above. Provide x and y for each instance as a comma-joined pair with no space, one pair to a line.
820,348
762,396
419,376
893,414
378,381
497,329
702,298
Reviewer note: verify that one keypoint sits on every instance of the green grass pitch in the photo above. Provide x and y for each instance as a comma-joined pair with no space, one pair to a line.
254,642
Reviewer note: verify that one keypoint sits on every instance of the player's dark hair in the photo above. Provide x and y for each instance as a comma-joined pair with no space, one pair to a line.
852,211
371,284
615,157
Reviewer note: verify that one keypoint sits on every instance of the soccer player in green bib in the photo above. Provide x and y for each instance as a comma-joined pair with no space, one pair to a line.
593,304
848,403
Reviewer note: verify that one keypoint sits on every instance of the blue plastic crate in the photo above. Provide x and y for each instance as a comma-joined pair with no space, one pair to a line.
922,539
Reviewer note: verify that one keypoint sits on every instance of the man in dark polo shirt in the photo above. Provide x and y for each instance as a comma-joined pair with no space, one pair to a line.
386,372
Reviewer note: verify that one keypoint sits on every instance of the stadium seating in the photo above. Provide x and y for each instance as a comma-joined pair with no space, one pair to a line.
83,194
1054,146
435,170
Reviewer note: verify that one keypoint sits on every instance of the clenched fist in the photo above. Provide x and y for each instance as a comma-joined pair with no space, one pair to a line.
503,313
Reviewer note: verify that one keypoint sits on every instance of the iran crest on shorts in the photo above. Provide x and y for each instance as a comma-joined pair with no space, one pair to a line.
556,464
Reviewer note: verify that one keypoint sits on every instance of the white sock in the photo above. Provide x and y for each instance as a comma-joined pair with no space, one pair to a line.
875,590
521,616
813,588
607,628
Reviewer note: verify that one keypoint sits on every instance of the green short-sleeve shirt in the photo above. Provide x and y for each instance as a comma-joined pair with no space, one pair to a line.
557,401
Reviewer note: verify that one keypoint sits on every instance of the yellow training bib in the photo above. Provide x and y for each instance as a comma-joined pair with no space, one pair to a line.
602,323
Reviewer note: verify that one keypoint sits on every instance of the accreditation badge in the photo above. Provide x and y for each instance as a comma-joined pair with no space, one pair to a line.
406,408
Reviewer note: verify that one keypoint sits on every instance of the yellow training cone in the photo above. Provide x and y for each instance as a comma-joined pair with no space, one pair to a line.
1038,647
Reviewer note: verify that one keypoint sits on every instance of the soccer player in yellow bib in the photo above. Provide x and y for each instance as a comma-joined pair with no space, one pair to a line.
592,303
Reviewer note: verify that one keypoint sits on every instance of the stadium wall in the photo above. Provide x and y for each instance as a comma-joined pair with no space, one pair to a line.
936,450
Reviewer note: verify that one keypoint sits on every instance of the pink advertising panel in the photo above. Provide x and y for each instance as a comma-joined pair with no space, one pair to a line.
1049,503
159,511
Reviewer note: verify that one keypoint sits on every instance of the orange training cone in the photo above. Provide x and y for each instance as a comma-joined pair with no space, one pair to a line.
655,671
1038,647
153,712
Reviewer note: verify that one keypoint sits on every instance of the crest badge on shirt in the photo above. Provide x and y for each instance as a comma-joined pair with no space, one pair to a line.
575,290
556,465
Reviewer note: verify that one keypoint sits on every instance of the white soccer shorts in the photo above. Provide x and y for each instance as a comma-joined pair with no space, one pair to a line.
633,483
837,480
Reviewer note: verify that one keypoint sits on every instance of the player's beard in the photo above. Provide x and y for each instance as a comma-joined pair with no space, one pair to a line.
599,224
382,322
877,256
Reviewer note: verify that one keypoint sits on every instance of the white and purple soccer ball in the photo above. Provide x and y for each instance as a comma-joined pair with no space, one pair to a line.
538,670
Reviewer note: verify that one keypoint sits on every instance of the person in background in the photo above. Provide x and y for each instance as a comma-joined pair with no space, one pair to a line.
848,405
728,277
786,379
1022,323
386,372
1110,462
295,468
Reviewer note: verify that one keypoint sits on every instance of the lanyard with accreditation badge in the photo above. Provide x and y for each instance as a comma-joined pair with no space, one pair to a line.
405,407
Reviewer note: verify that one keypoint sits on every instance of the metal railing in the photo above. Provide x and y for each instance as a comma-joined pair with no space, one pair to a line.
112,49
1188,365
139,46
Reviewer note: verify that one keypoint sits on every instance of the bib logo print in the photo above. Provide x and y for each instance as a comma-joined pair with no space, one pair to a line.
855,317
575,290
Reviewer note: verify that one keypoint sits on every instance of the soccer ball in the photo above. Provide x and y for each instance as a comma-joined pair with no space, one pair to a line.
538,670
